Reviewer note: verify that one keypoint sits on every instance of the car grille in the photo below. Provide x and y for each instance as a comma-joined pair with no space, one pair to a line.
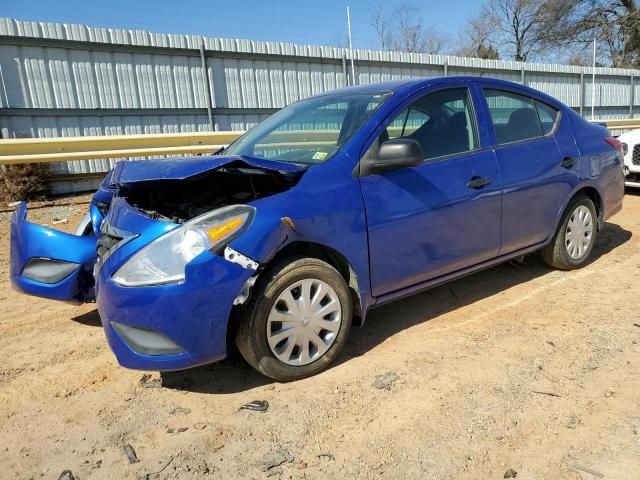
635,156
110,240
106,244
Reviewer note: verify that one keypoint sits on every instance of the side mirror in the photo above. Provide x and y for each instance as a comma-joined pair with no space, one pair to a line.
399,153
392,155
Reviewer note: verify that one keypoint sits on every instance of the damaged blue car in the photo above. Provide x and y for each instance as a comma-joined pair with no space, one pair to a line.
331,206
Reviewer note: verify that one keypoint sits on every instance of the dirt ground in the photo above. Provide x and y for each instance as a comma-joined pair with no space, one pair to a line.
518,370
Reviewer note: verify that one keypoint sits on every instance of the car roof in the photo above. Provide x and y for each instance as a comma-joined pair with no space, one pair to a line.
411,84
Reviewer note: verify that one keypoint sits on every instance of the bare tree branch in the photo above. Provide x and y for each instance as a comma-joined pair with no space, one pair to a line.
403,30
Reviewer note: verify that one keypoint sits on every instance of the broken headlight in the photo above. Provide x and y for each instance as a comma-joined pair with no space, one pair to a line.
163,260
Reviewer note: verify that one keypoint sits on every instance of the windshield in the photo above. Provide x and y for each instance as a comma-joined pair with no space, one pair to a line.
310,131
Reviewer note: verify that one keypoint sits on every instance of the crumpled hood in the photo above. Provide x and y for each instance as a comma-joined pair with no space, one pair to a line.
132,171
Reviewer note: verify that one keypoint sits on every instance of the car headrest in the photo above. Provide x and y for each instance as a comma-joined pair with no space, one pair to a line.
458,120
526,118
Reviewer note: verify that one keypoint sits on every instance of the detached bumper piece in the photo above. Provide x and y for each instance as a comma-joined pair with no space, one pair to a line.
49,271
146,341
49,263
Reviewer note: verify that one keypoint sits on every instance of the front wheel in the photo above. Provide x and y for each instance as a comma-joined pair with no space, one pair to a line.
297,320
575,237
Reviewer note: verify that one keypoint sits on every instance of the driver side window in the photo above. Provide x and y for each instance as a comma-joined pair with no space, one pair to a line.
442,122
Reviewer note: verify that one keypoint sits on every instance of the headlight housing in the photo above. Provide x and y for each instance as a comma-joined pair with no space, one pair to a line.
164,260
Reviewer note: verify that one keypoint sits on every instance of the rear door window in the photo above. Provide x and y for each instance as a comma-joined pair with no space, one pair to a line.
514,116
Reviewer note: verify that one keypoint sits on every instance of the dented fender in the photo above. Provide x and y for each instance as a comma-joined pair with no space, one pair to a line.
316,212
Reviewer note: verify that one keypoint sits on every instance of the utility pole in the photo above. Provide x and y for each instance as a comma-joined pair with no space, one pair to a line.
353,69
593,82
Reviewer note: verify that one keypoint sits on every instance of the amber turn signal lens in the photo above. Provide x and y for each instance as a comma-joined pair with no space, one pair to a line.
225,229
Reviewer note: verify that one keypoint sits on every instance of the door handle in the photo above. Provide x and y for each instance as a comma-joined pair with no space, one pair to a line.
568,162
478,182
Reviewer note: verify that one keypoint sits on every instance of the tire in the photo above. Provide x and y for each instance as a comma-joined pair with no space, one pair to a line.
561,253
274,298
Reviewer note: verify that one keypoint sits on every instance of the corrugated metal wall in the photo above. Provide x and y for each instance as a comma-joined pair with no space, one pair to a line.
67,80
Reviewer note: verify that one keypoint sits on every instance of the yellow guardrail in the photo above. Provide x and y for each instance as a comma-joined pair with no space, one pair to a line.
623,124
44,150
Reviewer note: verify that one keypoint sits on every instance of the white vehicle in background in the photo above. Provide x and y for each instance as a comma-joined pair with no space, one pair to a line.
631,147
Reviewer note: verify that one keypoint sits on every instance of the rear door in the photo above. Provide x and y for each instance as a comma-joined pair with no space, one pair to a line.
49,263
444,215
538,163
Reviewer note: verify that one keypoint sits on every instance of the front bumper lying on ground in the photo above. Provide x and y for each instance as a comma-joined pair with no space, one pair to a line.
49,263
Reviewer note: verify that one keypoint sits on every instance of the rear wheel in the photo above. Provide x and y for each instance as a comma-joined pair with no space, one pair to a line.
297,320
572,244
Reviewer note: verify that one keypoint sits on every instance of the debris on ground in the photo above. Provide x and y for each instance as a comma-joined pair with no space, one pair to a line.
385,381
149,381
200,426
130,453
57,221
66,475
511,473
549,394
149,475
273,460
177,430
636,325
549,342
177,409
328,456
581,468
256,405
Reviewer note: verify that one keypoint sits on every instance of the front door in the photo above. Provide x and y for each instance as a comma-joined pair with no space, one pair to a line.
442,216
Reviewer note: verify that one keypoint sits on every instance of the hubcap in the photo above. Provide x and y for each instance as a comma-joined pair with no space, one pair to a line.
304,322
579,233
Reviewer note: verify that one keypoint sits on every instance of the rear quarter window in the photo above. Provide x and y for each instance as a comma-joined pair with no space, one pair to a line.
547,115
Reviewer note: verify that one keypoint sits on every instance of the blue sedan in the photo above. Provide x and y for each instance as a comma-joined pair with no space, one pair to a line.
331,206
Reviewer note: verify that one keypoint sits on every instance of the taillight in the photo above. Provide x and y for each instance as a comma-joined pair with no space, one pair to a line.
617,144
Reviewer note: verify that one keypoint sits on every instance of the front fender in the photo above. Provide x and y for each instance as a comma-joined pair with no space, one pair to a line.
315,211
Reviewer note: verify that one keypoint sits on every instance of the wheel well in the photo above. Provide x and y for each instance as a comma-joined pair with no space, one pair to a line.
304,249
594,196
332,257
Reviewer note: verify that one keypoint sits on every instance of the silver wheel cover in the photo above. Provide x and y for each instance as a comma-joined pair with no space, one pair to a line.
304,321
579,232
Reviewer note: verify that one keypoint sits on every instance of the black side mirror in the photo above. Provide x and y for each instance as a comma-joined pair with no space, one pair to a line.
392,155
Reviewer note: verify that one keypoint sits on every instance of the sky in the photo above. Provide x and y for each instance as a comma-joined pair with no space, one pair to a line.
317,22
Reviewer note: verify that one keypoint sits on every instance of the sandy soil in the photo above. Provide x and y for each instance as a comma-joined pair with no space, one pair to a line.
516,368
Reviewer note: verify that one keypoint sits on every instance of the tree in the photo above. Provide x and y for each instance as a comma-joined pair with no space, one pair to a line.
403,30
487,52
615,24
475,40
519,28
564,30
